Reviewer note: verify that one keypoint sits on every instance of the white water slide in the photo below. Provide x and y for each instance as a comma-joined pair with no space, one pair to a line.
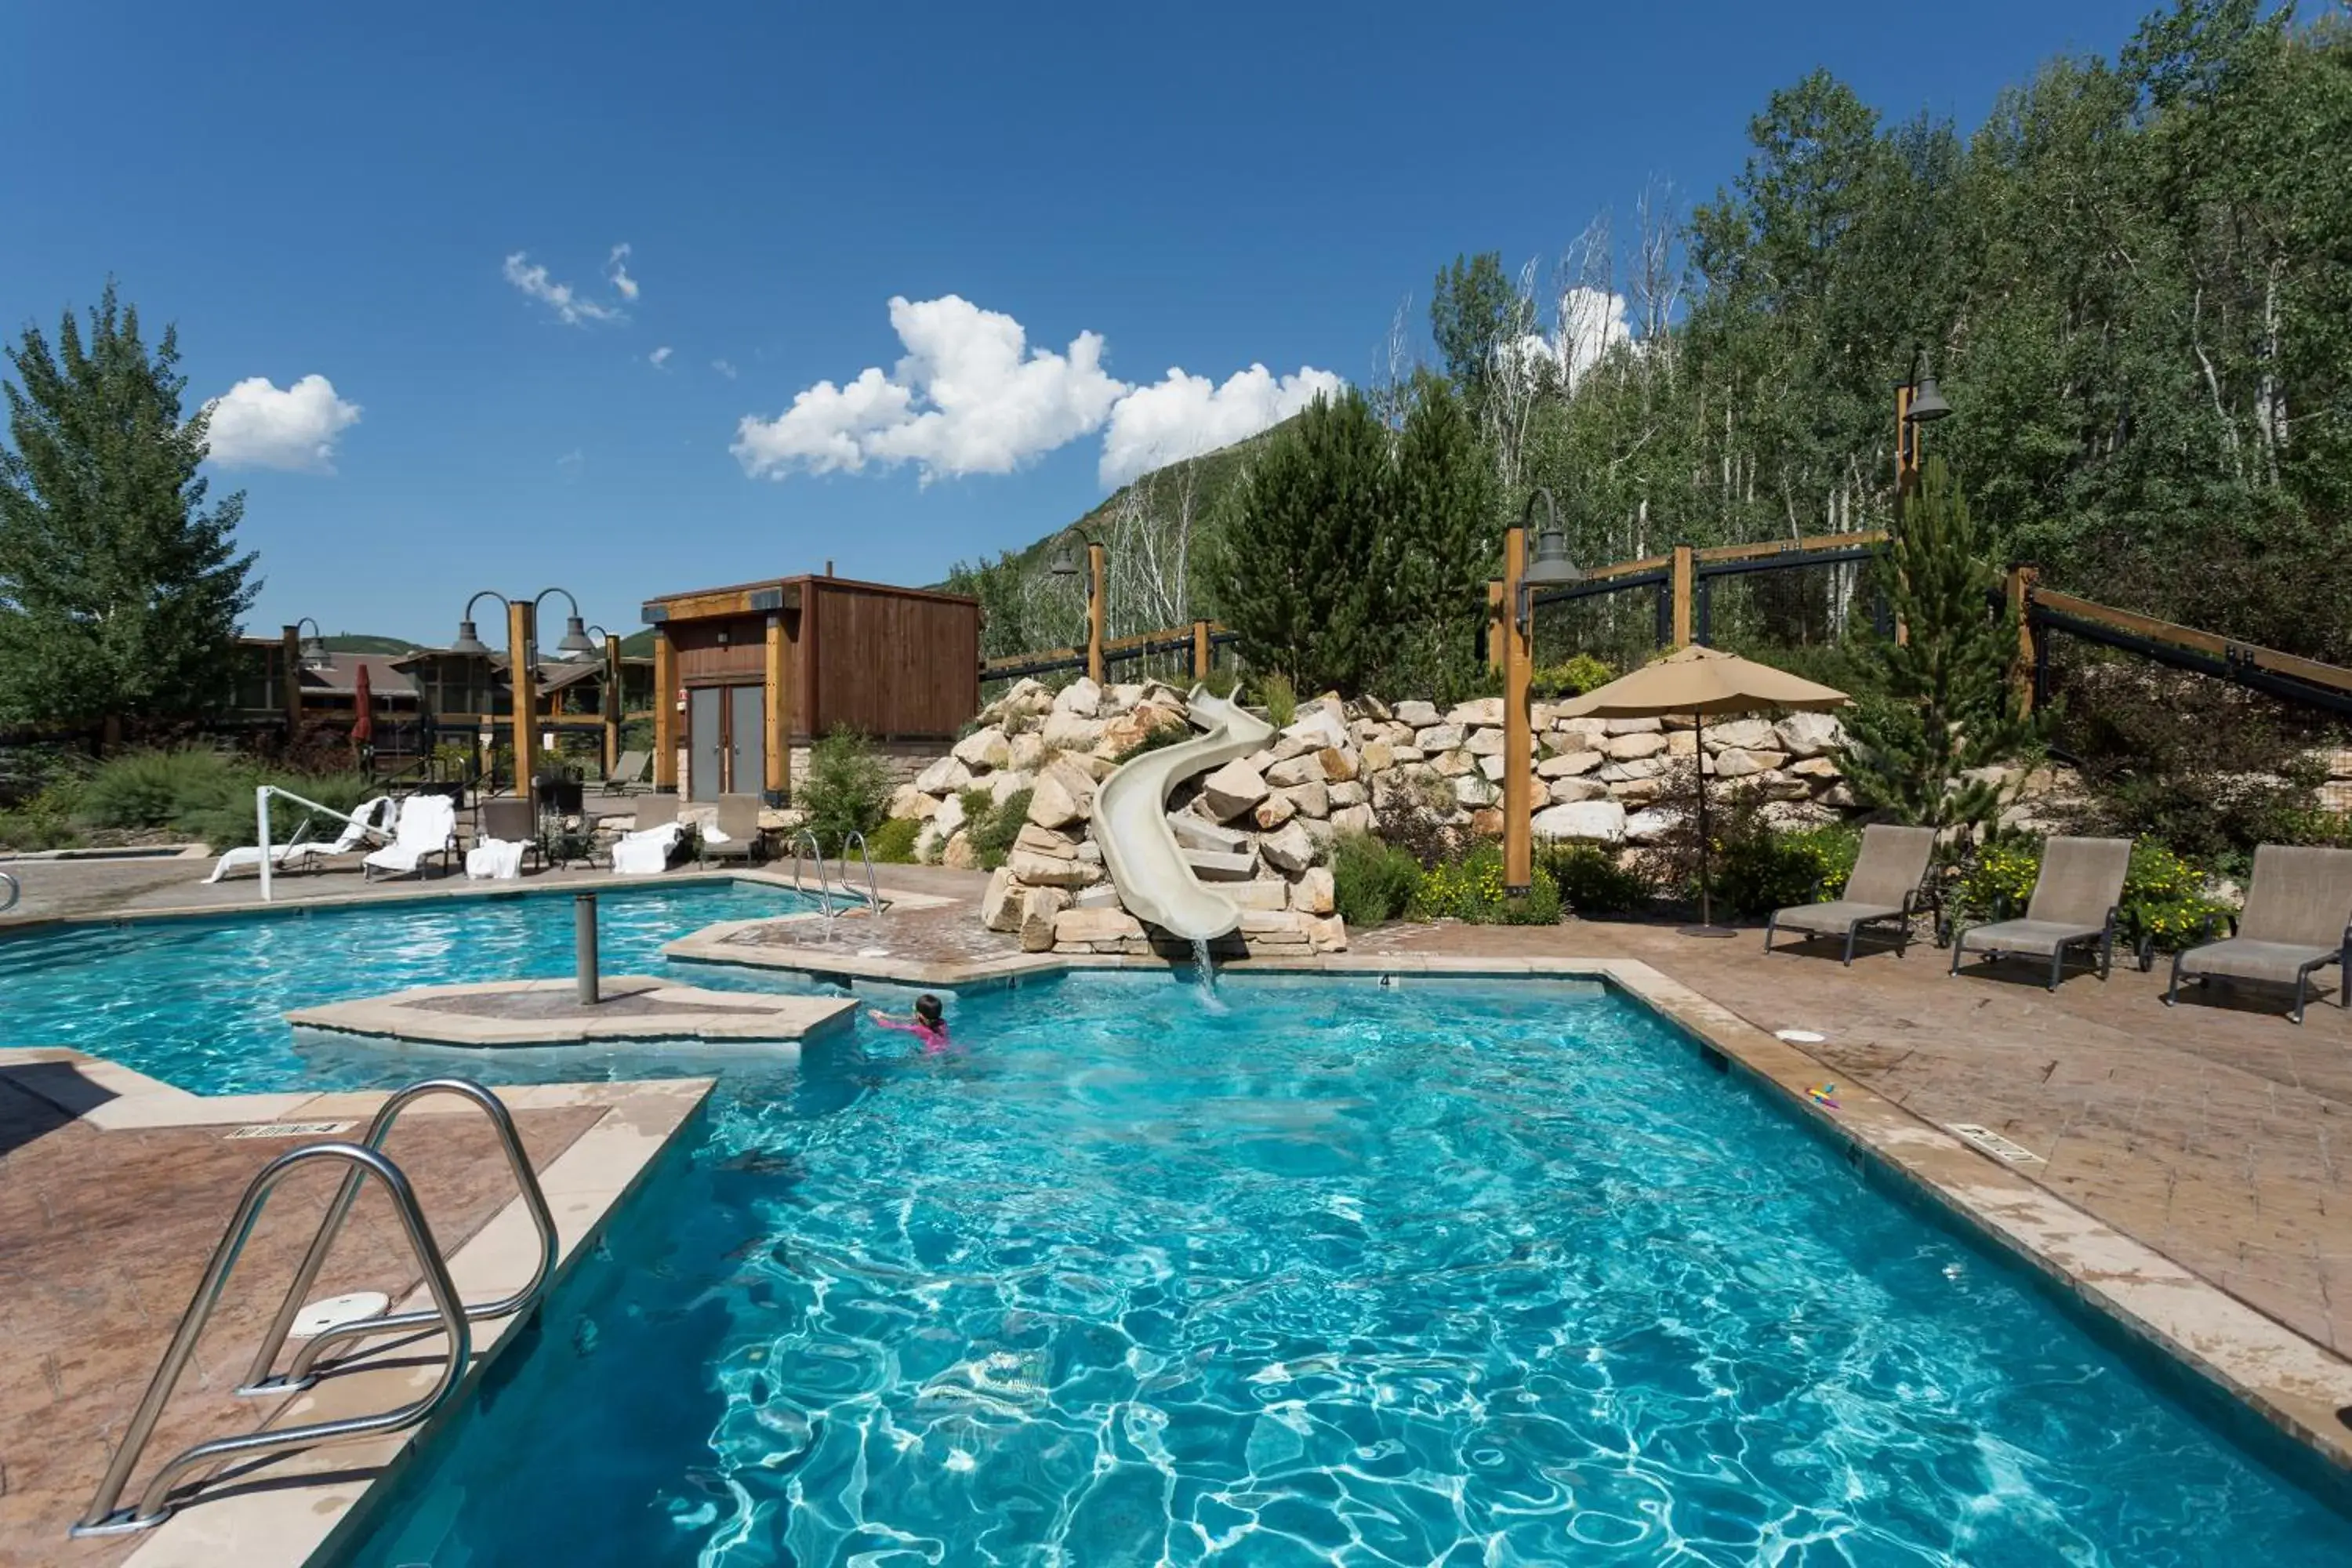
1130,822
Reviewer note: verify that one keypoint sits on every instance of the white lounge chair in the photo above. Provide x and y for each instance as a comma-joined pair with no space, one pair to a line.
304,852
646,851
427,826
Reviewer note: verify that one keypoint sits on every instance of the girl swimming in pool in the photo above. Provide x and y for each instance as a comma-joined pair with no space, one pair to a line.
929,1025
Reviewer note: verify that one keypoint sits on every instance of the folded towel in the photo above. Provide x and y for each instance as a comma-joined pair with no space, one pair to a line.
496,860
646,853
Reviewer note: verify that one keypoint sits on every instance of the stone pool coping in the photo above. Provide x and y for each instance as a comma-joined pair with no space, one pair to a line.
281,1518
370,894
2298,1387
695,1015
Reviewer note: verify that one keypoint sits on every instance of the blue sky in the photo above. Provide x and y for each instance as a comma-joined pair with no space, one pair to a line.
336,192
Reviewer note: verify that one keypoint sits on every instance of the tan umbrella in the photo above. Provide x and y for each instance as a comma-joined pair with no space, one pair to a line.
1702,681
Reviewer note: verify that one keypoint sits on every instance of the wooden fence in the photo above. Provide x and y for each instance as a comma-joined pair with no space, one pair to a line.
1199,641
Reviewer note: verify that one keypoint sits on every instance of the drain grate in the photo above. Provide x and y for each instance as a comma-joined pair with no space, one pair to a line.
1994,1145
292,1129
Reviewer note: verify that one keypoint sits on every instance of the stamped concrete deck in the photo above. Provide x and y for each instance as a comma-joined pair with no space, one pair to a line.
113,1190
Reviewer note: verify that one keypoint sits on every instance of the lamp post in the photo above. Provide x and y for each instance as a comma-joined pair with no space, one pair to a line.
611,704
1065,564
298,653
522,664
1521,578
1917,401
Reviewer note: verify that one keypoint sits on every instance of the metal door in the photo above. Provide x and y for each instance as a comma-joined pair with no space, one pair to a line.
747,750
705,744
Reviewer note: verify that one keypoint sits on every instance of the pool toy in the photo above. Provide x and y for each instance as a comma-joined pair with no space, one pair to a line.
1822,1094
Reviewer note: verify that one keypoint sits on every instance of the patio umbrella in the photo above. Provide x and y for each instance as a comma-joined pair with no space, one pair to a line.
364,713
1702,681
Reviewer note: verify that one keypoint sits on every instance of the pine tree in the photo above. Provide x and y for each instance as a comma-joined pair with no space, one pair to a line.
1293,569
1950,706
120,592
1440,546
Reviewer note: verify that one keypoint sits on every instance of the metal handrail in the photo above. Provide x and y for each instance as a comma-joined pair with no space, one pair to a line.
299,1374
16,890
873,893
823,894
154,1505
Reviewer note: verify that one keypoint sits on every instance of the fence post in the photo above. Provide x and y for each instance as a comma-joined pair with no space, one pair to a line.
1496,631
2025,675
1097,608
1202,652
1683,579
1518,759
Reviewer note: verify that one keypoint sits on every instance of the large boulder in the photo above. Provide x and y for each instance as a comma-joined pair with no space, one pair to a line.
984,748
944,776
1352,818
1639,768
1045,871
1478,711
948,819
1568,765
1040,906
1000,905
959,855
1419,715
1063,794
1808,734
908,801
1308,769
1080,699
1072,732
1568,792
1731,762
1485,743
1029,699
1310,799
1083,927
1593,731
1274,811
1028,751
1287,848
1814,768
1641,743
1004,786
1438,737
1199,833
1045,841
1586,821
1317,728
1312,894
1651,825
1452,764
1475,790
1232,789
1350,793
1340,764
1265,893
1748,734
1634,726
1376,756
1218,865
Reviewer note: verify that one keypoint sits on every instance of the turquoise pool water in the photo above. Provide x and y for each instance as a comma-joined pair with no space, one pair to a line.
1453,1273
202,1003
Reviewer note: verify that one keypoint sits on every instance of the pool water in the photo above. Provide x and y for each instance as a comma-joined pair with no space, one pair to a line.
201,1003
1312,1272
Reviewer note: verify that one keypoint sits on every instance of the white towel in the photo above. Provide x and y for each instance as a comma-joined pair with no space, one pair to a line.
646,853
495,861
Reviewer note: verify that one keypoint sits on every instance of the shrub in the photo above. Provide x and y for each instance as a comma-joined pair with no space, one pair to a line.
1470,889
1759,871
847,789
1166,735
1591,881
1372,881
892,843
225,819
993,829
1221,682
1996,881
1280,700
2165,904
147,789
1573,677
27,830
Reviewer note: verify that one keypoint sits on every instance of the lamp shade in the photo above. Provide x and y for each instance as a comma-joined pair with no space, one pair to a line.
575,643
469,643
1065,562
1551,565
1928,403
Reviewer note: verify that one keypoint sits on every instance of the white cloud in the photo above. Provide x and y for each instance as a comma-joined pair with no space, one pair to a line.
970,395
615,268
1592,321
723,368
571,308
659,358
256,426
567,467
1183,415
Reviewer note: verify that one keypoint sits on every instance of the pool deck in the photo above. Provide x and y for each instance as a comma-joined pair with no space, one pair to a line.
113,1190
2179,1168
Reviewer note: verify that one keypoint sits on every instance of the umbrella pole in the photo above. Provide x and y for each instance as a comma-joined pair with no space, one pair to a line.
1706,926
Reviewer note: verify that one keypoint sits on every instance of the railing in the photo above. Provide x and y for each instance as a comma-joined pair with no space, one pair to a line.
16,890
2259,669
1203,638
154,1505
1684,577
823,894
873,893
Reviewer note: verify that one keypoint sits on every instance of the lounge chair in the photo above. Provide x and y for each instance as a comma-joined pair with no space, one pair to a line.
629,773
2073,905
427,826
507,831
304,852
736,835
645,851
1882,889
2298,919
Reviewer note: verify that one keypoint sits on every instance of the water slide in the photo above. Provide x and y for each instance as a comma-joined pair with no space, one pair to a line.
1130,822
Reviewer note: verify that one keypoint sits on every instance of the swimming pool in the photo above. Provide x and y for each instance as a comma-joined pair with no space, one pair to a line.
200,1004
1318,1271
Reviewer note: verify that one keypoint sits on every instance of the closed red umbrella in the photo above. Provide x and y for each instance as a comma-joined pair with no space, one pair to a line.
364,710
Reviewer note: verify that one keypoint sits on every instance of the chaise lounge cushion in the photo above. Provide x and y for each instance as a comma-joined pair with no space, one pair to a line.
1834,917
2244,958
2042,937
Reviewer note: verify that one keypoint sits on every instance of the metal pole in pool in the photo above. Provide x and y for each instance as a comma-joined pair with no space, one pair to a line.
583,945
261,832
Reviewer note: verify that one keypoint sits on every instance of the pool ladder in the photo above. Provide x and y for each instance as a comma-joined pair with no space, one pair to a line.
364,1159
806,847
16,890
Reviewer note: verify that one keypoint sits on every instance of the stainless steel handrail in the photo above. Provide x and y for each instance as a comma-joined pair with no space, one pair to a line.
823,894
154,1505
299,1374
873,894
16,890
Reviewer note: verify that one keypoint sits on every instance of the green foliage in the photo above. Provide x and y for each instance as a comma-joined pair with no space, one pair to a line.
119,590
847,789
1950,707
1159,738
1591,881
202,795
1470,889
1373,882
991,828
1759,871
1572,678
1996,880
1437,547
1473,311
1279,698
2165,903
892,843
1221,682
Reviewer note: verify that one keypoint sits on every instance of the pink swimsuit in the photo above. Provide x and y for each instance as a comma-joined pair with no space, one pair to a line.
935,1040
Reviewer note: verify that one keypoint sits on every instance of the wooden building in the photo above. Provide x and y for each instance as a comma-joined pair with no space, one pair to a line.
744,674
